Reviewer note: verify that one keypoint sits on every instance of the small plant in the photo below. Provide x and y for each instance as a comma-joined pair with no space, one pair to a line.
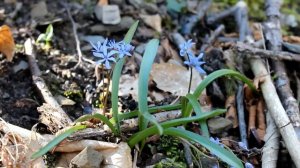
46,37
111,58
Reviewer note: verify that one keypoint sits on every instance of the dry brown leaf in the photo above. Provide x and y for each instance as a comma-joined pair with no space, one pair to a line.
7,44
261,121
231,111
174,78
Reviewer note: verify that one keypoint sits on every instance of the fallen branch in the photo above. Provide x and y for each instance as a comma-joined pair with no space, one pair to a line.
271,147
273,38
58,116
276,109
249,51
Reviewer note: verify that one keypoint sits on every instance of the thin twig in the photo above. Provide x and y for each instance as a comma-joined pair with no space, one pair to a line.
212,37
77,41
249,51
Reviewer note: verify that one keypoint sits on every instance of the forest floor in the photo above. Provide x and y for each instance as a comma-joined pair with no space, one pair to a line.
77,90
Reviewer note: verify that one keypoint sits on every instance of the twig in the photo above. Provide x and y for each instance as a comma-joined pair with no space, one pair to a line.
249,51
241,18
221,15
202,7
77,41
276,109
241,114
58,117
274,42
212,37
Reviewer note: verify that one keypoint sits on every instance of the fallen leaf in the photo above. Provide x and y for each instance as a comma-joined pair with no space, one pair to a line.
174,78
7,44
153,21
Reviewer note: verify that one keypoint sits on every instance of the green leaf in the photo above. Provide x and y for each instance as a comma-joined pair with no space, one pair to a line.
196,106
222,153
146,65
211,77
139,136
57,140
41,38
116,77
151,110
100,117
49,33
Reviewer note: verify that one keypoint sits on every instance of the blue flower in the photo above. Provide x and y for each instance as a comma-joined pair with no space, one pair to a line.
105,56
124,49
185,48
112,44
96,48
216,141
195,62
243,146
248,165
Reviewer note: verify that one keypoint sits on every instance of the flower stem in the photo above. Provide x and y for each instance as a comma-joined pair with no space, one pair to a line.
191,76
107,91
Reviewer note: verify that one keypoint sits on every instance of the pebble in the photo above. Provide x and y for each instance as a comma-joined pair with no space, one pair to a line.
219,124
124,25
108,14
153,21
39,10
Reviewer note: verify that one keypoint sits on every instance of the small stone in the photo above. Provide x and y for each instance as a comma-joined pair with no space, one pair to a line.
148,6
63,101
108,14
22,65
39,10
153,21
87,158
140,48
124,25
219,124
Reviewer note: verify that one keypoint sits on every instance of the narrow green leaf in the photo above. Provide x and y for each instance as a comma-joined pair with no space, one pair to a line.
222,153
49,33
100,117
116,77
56,141
151,110
211,77
136,138
146,65
196,106
40,38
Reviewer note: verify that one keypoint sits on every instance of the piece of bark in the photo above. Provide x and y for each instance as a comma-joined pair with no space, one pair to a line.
249,51
276,109
58,117
273,38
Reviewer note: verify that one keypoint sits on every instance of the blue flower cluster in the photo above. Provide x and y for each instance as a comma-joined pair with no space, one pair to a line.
193,61
241,144
108,50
